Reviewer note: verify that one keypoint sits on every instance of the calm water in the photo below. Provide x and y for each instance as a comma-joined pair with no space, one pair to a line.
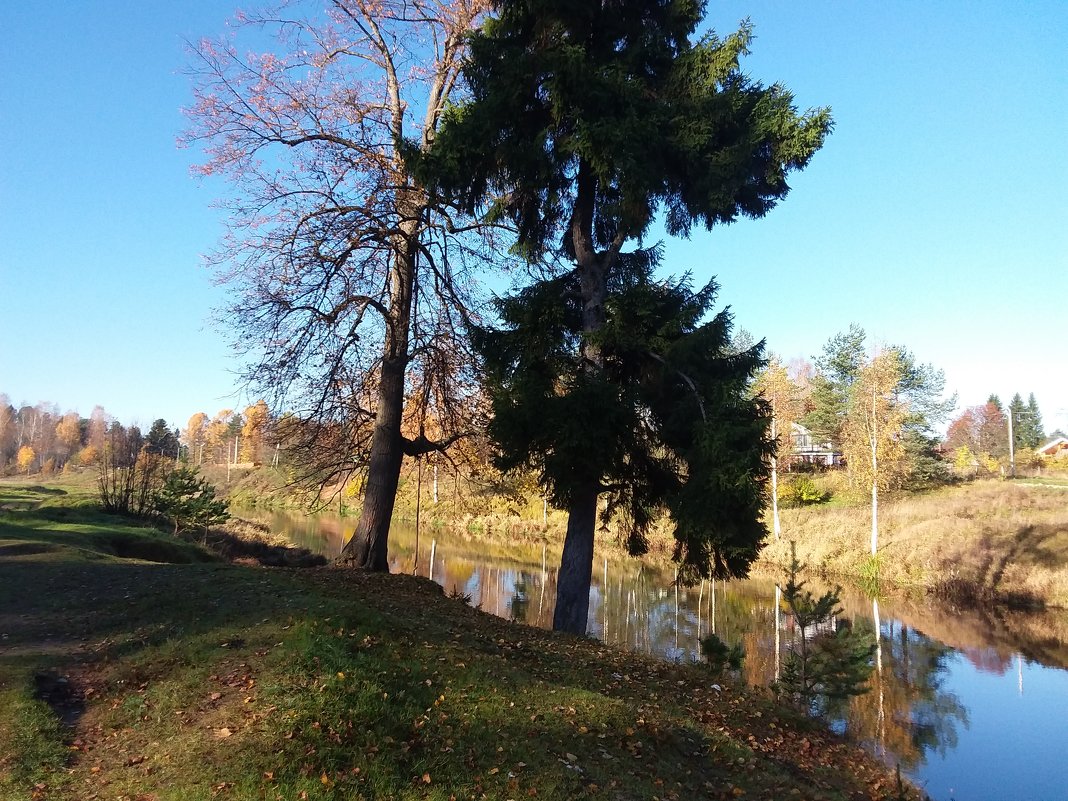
971,705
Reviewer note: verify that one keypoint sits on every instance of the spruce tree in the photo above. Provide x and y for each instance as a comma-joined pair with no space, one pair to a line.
587,121
664,425
1035,433
837,368
828,662
1020,422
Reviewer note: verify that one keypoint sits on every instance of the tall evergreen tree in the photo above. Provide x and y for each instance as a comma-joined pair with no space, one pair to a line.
921,389
665,424
1035,433
837,368
161,439
1018,415
587,120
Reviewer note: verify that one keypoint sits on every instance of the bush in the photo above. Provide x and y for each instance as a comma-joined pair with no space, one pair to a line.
801,490
829,661
720,656
188,500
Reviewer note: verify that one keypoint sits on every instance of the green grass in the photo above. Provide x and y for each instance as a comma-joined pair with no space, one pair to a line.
201,680
35,740
67,517
1047,481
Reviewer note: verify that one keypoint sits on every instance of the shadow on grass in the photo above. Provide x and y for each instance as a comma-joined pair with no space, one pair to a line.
318,673
1031,545
43,490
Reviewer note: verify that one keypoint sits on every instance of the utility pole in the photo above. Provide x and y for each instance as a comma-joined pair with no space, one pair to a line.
1012,446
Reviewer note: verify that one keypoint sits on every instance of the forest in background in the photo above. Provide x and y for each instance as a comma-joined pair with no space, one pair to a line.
232,445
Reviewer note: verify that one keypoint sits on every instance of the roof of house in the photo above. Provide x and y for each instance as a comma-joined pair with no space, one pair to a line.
1053,445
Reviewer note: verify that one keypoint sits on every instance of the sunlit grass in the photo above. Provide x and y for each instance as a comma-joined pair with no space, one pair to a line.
208,680
997,538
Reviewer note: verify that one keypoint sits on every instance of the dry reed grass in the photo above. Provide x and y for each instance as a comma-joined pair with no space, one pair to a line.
982,542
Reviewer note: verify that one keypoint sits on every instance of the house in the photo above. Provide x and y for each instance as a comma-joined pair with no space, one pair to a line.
805,448
1056,448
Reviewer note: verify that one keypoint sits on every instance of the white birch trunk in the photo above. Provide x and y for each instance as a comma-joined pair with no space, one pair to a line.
879,671
874,476
775,527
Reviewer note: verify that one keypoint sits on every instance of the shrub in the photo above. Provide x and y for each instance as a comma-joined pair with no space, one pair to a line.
829,661
720,656
801,490
188,500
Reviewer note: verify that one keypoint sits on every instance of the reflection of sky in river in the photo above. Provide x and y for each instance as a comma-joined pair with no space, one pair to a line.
1014,747
953,717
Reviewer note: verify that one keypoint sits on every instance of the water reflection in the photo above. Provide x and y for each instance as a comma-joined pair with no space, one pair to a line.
947,702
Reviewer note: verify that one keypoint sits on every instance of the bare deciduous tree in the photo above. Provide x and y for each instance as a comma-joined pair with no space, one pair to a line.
349,280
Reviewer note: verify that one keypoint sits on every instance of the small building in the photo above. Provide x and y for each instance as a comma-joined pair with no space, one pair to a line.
805,448
1055,448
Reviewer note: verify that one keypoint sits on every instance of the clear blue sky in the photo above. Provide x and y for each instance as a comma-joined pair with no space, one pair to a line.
935,216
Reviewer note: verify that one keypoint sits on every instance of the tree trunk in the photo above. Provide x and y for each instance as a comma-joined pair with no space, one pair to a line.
576,566
775,527
874,477
368,548
576,562
874,517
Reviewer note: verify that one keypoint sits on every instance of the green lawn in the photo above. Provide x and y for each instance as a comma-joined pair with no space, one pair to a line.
136,666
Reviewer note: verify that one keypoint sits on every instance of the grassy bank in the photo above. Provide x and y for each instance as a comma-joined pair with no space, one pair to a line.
987,541
152,672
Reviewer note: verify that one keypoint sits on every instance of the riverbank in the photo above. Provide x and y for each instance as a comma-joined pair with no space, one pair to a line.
167,674
985,542
988,542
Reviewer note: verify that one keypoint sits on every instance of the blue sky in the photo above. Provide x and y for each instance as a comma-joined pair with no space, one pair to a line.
935,216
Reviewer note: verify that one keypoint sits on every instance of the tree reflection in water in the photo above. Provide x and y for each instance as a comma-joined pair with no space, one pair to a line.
909,712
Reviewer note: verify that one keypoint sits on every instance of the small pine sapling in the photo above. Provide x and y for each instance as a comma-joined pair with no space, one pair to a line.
829,660
187,500
720,656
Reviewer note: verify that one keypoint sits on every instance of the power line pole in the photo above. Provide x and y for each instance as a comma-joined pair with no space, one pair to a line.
1012,446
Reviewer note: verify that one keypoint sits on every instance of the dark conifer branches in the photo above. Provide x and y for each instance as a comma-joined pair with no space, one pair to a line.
663,425
587,119
606,113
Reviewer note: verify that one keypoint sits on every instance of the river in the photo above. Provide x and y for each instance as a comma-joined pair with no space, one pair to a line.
972,704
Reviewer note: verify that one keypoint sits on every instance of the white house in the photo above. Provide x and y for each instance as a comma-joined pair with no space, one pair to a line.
805,447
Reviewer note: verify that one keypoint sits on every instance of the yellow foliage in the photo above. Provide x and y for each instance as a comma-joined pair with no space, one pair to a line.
871,436
782,394
963,459
253,432
89,455
25,458
69,432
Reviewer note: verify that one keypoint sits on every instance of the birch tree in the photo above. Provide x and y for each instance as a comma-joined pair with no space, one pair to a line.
776,387
871,433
